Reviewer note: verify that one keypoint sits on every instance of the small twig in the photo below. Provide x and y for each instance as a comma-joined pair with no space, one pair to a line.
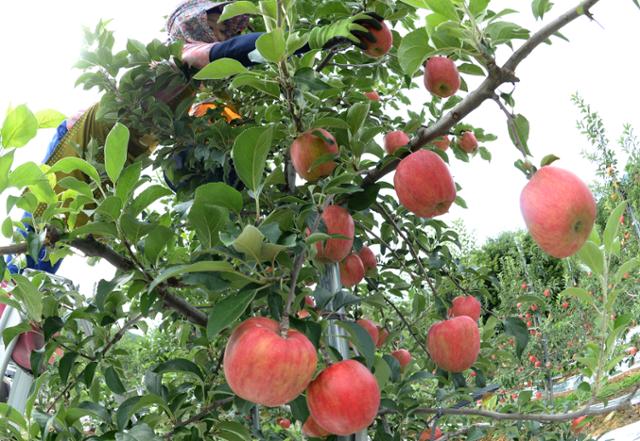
325,61
200,415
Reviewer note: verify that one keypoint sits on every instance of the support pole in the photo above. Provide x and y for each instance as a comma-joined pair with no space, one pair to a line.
336,336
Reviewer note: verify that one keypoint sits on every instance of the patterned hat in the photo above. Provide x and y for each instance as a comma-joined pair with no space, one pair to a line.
188,22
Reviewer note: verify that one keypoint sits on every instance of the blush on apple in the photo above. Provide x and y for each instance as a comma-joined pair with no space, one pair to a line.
441,76
368,259
384,41
351,271
468,142
372,95
465,305
426,434
403,356
442,143
337,220
424,185
383,334
312,429
371,328
344,398
311,154
265,368
454,344
395,140
559,211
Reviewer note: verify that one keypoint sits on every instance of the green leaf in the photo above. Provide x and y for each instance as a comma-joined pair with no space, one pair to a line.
155,242
249,242
444,7
471,69
579,293
272,45
69,164
26,174
419,4
77,185
548,160
10,414
356,116
49,118
220,194
540,7
139,432
250,151
524,397
13,331
207,221
414,49
7,228
628,267
220,69
97,228
134,404
519,131
361,340
29,297
128,180
227,311
518,329
179,365
382,372
612,227
115,151
6,161
19,127
477,7
592,256
113,381
66,364
238,8
232,431
198,267
147,197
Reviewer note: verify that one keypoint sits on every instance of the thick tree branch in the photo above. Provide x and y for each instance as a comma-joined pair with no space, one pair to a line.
497,76
92,248
541,417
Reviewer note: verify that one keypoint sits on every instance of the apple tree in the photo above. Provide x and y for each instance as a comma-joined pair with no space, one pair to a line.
266,245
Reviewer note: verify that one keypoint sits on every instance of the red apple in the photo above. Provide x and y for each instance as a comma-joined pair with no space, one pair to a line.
454,344
308,148
372,95
441,76
312,429
344,398
303,314
403,356
285,423
351,271
465,305
537,364
371,328
309,301
394,140
384,41
538,395
383,334
632,351
337,220
565,305
26,344
2,306
265,368
424,185
426,434
468,142
576,426
442,143
546,293
368,259
559,211
524,285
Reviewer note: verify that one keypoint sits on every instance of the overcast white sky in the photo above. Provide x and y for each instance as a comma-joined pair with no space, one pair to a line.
40,41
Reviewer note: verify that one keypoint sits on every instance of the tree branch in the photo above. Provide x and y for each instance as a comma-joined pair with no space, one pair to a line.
197,417
541,417
497,76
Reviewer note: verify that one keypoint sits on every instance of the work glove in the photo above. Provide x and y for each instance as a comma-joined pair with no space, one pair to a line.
351,30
